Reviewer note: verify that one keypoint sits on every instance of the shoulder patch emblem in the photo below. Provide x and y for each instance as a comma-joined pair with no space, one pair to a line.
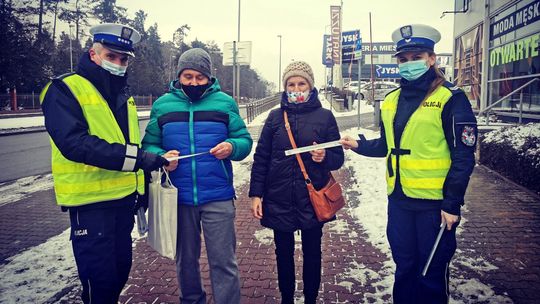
468,136
454,88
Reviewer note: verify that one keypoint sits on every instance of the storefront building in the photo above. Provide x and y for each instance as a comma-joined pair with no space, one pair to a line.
494,61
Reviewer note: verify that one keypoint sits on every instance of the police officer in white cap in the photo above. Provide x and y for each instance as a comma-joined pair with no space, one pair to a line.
428,135
97,162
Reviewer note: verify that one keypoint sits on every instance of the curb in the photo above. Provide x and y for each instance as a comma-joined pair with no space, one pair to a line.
18,131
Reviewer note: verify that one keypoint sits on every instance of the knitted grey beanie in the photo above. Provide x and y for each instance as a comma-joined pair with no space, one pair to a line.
195,59
298,68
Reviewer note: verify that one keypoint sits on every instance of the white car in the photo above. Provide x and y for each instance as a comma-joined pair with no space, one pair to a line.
352,87
381,89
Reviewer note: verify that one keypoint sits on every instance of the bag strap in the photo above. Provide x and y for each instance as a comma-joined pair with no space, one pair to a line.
293,143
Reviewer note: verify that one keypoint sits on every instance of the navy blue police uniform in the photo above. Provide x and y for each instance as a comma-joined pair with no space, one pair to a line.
100,232
413,223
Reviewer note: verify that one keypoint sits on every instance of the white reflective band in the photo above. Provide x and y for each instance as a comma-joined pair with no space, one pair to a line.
131,151
131,158
325,145
129,164
186,156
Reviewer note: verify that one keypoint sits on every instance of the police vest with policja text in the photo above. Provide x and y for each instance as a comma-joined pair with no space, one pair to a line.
77,184
423,154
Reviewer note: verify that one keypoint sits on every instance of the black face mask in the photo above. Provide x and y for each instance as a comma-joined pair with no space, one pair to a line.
194,92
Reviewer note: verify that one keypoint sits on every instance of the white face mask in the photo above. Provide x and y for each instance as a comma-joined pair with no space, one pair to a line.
113,68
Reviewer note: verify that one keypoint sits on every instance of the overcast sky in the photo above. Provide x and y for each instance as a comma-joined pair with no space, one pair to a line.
300,22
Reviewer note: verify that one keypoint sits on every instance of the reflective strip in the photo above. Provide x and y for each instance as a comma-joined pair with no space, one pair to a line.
131,158
65,168
131,151
91,187
423,183
129,164
424,164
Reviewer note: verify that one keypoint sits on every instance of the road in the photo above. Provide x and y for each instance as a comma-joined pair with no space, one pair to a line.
30,153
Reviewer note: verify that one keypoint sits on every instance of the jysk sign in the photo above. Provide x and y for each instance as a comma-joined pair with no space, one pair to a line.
387,71
351,46
524,16
327,51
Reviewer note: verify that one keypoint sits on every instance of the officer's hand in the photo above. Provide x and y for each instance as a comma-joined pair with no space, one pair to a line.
317,155
449,219
256,207
348,142
173,163
222,150
150,161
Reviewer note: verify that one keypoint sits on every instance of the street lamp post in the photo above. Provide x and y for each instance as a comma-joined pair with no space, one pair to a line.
279,73
236,63
70,50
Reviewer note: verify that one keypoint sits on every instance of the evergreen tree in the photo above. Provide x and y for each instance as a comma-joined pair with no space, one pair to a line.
107,11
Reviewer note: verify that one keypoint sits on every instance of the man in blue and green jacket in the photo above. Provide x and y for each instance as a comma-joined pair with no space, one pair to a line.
195,117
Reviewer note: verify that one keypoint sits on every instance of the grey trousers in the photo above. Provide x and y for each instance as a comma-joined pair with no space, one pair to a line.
216,220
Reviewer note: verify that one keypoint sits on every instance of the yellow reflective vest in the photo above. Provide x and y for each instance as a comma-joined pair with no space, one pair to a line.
77,184
423,153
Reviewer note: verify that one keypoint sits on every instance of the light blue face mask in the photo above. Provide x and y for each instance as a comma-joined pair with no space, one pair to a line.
412,70
113,68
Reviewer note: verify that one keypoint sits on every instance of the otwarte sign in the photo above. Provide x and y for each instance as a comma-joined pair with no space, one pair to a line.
243,53
335,27
527,47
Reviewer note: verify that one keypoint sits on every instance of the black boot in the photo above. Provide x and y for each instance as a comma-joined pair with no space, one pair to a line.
310,299
287,298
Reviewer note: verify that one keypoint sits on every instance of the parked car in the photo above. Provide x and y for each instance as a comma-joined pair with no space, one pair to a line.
352,87
381,89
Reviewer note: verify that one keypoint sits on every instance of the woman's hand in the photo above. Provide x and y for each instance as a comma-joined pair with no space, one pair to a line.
222,150
173,163
256,207
348,142
449,219
318,155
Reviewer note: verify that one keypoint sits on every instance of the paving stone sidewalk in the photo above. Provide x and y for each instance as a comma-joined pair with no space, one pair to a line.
502,225
499,245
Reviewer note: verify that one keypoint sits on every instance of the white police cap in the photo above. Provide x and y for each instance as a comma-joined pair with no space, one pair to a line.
116,37
415,37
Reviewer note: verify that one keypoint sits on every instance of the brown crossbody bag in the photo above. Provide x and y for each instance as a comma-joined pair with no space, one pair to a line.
327,201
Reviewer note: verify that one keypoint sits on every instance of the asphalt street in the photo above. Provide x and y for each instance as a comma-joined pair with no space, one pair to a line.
29,154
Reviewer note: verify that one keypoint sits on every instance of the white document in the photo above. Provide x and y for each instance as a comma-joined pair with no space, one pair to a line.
325,145
186,156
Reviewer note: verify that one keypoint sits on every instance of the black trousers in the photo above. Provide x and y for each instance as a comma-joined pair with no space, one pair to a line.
311,249
101,240
411,235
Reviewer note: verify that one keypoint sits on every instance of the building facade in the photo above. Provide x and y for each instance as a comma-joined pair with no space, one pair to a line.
496,52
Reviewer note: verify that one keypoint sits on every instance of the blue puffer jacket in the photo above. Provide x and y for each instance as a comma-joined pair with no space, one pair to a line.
178,123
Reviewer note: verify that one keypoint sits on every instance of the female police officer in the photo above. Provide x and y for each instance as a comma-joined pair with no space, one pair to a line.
428,135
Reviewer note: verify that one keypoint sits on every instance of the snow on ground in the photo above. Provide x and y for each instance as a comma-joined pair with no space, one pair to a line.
525,139
21,188
37,121
364,107
41,272
37,274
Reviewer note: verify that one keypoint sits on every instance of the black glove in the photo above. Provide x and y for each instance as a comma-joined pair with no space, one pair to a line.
150,161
